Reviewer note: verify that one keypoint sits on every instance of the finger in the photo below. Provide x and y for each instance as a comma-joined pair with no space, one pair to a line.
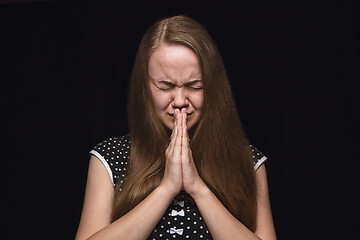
181,118
177,145
183,124
177,142
172,140
185,141
175,128
184,117
185,148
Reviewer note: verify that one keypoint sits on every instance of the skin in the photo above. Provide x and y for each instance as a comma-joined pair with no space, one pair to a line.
176,88
180,171
176,83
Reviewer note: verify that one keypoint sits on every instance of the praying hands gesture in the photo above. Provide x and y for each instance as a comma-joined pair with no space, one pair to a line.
181,173
174,77
180,170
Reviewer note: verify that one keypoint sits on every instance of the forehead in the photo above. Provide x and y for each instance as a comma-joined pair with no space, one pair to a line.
174,62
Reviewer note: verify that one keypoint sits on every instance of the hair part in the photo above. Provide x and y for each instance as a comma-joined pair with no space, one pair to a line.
219,145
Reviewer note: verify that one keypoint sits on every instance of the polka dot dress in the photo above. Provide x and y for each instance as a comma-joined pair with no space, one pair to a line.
182,219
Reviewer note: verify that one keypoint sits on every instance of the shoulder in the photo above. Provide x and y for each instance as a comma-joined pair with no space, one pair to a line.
115,143
258,157
114,153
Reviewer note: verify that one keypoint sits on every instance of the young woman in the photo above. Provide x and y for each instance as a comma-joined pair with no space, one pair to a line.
186,170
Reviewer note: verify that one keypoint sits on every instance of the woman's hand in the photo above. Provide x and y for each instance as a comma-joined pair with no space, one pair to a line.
180,170
192,183
172,179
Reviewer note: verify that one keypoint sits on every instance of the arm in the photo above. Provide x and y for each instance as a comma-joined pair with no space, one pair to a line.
264,220
95,221
223,225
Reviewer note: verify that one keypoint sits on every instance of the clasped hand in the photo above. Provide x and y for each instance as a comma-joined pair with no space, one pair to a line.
180,170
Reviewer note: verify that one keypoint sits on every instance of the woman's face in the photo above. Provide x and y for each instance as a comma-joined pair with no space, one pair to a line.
176,82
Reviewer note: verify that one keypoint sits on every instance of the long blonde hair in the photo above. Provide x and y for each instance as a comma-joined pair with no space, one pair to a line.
220,147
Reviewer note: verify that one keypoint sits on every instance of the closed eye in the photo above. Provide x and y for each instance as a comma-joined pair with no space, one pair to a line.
196,85
164,85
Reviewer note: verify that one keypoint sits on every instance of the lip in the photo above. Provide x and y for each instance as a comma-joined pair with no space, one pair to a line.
187,114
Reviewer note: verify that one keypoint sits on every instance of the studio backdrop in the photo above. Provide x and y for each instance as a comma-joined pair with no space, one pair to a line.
294,72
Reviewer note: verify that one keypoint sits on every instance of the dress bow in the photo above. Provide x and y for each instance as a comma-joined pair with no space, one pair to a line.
180,203
177,213
178,231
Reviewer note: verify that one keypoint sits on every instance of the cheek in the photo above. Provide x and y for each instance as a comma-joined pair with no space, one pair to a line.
198,100
161,100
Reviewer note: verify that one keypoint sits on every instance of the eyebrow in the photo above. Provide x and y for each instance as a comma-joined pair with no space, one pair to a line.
193,81
169,82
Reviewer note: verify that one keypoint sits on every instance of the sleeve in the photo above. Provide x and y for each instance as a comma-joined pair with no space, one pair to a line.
114,155
258,157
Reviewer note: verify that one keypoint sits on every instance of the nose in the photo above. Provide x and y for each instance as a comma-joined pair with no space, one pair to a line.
179,99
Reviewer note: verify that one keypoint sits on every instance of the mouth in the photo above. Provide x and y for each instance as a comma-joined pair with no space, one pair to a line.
187,114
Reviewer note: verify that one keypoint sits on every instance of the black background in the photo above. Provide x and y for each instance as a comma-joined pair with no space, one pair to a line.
294,71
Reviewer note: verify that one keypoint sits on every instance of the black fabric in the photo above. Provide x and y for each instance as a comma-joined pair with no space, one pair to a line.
182,219
293,67
115,151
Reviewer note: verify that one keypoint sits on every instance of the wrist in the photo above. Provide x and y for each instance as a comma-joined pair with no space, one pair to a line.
202,192
166,191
